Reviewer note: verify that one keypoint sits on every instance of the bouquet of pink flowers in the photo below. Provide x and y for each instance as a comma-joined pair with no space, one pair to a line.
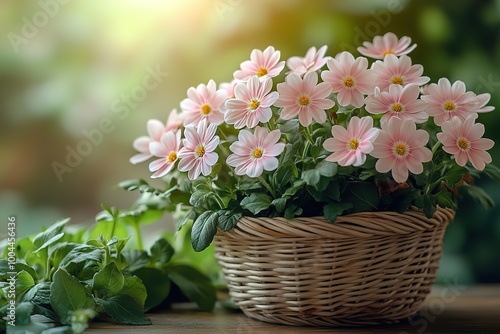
322,142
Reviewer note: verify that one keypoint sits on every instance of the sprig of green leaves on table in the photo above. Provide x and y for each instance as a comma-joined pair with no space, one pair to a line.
72,277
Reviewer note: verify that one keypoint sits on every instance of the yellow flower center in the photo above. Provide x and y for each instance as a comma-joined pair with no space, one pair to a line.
397,80
172,156
254,104
257,153
387,52
304,100
206,109
353,143
397,107
261,71
463,143
348,82
449,106
400,149
200,151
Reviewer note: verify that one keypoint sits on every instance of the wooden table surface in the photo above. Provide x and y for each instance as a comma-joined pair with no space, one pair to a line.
448,309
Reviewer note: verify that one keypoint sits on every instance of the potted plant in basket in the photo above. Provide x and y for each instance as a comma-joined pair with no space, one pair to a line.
327,187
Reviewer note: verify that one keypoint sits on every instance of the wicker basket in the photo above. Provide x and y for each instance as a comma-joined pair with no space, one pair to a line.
367,268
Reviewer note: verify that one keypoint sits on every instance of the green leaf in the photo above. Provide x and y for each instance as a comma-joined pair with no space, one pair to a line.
227,219
67,294
134,287
194,285
444,199
191,215
256,202
132,184
426,204
363,195
156,283
199,197
492,171
454,175
109,278
297,185
105,227
59,253
135,259
332,210
83,253
18,266
161,251
292,211
24,282
478,194
279,204
204,230
124,310
49,236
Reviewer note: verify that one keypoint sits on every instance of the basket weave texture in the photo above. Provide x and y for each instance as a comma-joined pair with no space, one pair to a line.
366,268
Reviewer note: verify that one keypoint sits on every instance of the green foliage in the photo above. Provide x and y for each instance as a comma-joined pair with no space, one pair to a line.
71,279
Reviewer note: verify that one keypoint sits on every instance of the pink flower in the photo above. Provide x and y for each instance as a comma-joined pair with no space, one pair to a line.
229,87
400,147
174,121
203,102
262,64
446,101
399,71
252,103
463,140
254,153
304,97
141,144
399,101
387,44
313,61
198,156
351,146
167,150
483,100
350,78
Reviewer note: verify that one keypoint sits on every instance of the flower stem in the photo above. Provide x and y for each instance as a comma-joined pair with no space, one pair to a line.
138,235
268,187
436,146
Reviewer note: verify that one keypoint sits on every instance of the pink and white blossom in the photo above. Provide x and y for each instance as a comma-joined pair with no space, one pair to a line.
400,148
350,78
399,71
155,130
252,103
385,45
304,97
483,100
262,64
313,61
254,153
446,101
350,146
175,120
203,102
463,139
167,150
198,156
399,101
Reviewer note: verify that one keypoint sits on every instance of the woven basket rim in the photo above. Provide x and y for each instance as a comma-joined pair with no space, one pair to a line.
356,225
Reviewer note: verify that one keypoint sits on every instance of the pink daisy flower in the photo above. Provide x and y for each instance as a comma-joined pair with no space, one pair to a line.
399,71
483,100
387,44
350,78
252,103
262,64
313,61
203,102
400,148
198,156
304,97
446,101
155,130
351,146
167,150
399,101
463,140
174,121
254,153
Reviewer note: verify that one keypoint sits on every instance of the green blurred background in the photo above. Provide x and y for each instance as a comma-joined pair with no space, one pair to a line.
67,65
